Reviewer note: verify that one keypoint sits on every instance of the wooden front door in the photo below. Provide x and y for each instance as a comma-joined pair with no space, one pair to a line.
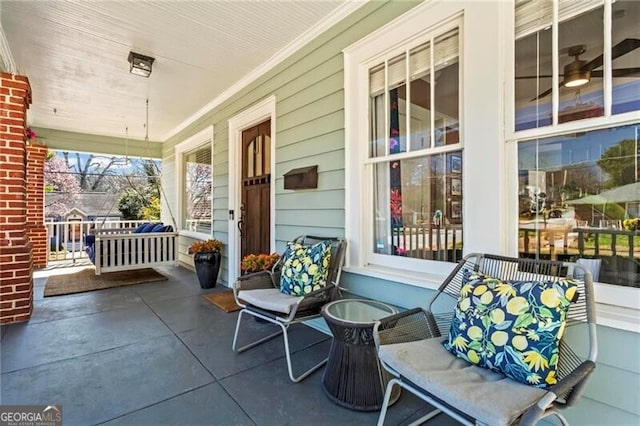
255,224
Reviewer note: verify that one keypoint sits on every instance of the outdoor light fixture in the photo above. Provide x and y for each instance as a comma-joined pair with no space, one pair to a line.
140,64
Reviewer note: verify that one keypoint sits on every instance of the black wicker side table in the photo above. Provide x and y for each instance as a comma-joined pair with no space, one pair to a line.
353,377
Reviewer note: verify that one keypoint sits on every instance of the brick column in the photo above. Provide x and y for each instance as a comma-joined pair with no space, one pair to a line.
16,273
36,231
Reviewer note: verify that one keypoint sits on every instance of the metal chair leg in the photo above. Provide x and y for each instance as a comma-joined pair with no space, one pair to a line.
387,397
288,355
255,343
283,331
385,403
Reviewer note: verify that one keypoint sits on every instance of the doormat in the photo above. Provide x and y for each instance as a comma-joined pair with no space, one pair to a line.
223,300
87,280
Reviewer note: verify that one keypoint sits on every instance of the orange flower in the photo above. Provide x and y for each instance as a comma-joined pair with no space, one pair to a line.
258,262
204,246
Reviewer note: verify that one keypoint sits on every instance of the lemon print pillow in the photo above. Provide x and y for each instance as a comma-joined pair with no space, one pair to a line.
512,327
305,268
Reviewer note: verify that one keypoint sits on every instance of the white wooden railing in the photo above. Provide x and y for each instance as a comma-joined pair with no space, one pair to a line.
66,239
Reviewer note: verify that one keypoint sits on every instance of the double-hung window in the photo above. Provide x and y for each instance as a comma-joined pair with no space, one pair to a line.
409,151
577,127
195,180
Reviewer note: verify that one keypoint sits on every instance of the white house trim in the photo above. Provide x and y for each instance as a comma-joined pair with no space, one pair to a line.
413,28
263,110
6,55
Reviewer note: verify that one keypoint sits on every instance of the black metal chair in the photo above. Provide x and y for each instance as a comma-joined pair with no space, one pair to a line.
259,295
410,347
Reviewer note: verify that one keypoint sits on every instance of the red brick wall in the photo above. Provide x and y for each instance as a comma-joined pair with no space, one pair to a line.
16,273
36,231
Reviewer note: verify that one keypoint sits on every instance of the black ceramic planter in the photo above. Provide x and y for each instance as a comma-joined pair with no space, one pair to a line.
207,267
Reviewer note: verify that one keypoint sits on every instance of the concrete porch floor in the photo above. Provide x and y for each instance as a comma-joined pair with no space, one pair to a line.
159,353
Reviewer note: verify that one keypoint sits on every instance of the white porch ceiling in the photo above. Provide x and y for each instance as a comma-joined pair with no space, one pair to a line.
75,55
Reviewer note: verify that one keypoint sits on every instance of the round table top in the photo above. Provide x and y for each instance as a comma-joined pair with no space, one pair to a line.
357,311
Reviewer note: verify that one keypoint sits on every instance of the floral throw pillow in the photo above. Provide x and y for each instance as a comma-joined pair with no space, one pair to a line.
305,268
512,327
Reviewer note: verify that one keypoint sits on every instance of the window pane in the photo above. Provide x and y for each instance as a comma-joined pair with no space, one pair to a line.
446,58
577,195
198,185
626,57
420,95
533,71
580,67
418,207
377,112
396,78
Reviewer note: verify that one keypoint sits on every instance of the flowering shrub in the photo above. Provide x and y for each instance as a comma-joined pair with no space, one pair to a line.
258,262
29,134
631,224
203,246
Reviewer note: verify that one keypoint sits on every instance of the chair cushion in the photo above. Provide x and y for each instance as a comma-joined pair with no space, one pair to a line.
147,228
305,268
158,227
140,228
512,327
270,299
488,396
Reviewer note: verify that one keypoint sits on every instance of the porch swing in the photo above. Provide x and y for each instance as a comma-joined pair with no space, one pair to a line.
146,246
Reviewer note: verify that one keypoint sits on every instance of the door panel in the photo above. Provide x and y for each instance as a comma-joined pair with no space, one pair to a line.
256,190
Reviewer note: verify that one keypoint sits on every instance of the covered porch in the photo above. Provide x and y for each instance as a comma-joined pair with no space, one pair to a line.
88,350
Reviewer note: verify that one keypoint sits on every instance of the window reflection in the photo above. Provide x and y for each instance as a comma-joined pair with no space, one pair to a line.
626,67
533,77
198,186
418,212
582,64
578,198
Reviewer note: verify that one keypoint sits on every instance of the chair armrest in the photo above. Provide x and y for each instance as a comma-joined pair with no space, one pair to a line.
256,280
571,385
408,326
313,302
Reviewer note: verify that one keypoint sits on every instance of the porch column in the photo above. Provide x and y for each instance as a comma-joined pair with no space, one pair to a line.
16,274
36,231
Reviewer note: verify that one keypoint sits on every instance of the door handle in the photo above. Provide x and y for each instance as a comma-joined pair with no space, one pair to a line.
240,223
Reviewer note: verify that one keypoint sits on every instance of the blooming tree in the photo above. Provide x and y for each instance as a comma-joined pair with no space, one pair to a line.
59,179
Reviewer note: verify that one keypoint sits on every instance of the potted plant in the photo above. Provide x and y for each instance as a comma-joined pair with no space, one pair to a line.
258,262
206,258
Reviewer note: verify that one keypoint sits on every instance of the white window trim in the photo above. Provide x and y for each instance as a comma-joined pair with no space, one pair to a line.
616,306
256,114
409,30
203,137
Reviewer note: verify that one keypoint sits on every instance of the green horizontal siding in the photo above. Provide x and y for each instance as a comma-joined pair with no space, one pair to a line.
594,413
311,218
333,199
333,102
611,385
327,161
320,87
287,232
322,123
310,147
